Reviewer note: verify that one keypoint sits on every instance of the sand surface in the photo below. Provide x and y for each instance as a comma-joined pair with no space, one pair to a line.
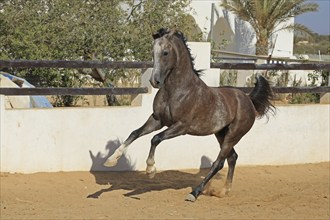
261,192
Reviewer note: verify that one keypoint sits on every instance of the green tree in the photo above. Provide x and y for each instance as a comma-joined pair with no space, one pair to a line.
54,29
265,16
146,17
82,30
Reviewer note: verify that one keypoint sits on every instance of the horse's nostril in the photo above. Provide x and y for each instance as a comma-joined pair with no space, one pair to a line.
154,83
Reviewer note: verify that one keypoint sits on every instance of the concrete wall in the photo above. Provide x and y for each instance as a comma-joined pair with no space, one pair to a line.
80,139
74,139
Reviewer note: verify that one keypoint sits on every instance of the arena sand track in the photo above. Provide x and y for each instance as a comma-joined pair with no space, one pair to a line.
261,192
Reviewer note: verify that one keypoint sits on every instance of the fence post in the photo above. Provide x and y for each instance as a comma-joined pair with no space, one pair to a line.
2,132
325,97
201,52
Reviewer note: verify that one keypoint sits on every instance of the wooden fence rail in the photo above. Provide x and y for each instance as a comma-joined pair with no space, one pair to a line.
72,91
278,66
269,58
75,64
148,64
131,91
319,89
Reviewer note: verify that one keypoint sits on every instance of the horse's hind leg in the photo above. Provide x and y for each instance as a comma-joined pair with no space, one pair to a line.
216,166
227,143
151,125
231,160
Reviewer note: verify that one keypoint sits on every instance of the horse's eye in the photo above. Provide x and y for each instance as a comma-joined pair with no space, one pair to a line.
165,53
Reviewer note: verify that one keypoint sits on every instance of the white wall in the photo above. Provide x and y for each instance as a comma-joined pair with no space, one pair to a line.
80,139
243,39
34,140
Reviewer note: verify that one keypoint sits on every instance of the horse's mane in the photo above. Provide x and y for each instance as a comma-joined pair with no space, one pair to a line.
163,31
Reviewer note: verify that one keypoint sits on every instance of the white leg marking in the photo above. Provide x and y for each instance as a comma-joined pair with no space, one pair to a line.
224,192
190,198
151,171
113,159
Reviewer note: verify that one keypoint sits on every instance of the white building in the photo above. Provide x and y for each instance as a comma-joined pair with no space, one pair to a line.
224,28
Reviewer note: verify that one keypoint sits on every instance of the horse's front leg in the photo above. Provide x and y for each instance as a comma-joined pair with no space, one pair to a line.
173,131
151,125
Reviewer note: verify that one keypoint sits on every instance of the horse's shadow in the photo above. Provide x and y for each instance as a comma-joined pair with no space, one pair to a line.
137,182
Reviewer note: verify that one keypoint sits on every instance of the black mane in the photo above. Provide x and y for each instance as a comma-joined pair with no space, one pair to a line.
163,31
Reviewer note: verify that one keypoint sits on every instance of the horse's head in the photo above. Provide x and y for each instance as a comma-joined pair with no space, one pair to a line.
164,57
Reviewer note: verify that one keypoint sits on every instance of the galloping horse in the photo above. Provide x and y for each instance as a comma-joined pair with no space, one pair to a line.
186,105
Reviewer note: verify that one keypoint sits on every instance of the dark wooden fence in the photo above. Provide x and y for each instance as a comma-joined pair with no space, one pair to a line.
72,91
144,65
148,64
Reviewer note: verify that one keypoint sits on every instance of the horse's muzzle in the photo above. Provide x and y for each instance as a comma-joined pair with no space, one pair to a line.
154,83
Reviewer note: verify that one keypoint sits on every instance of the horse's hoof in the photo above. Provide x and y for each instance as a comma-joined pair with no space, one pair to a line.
151,175
151,172
110,162
224,192
190,198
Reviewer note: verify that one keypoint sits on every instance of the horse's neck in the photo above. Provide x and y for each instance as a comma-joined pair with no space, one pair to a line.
183,77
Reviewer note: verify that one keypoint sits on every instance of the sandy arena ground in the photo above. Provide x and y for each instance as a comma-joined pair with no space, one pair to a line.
262,192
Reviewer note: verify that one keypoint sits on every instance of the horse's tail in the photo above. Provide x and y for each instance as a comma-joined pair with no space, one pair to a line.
261,97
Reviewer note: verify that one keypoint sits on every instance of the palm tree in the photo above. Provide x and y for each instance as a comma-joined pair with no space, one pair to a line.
265,16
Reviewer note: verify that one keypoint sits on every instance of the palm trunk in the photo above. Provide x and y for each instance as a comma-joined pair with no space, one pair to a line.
262,46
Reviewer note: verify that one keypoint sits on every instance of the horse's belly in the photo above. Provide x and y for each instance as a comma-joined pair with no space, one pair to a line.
207,128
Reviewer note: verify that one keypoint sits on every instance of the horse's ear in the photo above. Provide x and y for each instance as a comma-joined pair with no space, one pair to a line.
160,33
155,36
171,33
